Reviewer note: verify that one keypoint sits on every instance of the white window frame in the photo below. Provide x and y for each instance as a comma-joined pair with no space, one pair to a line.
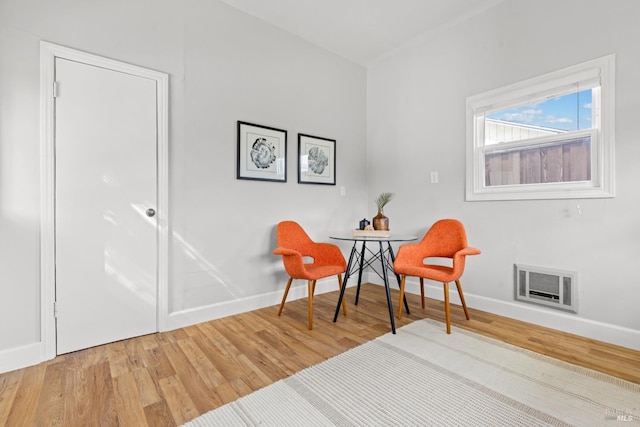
598,73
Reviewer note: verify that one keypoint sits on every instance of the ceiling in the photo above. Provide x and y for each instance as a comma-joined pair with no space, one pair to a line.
361,30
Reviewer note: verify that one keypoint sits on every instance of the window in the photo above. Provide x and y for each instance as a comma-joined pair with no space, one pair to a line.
549,137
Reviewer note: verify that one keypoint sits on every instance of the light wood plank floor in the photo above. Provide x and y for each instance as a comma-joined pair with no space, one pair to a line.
169,378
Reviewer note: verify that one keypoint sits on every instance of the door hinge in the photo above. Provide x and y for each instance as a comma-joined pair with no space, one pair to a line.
55,89
55,309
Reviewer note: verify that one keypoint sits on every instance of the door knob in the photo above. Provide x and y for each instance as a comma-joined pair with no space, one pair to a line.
151,212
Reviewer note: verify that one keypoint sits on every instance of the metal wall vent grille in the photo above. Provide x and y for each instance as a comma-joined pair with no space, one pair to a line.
546,286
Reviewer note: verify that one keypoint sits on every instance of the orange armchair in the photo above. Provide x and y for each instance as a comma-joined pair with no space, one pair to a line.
327,260
445,239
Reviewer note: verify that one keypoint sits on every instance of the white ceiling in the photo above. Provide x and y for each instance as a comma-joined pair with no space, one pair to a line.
361,30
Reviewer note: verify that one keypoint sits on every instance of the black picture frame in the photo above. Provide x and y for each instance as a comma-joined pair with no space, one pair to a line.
262,153
316,160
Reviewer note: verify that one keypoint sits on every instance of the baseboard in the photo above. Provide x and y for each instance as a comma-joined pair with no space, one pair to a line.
21,357
542,316
183,318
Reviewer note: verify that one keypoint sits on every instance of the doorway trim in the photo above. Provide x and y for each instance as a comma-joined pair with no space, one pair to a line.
48,53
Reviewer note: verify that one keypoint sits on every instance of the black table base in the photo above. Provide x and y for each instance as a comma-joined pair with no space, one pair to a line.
386,257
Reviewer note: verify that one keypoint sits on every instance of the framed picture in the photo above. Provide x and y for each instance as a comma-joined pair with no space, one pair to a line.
317,160
262,153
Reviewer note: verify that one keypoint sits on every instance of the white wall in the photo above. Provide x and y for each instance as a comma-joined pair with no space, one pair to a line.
224,66
416,124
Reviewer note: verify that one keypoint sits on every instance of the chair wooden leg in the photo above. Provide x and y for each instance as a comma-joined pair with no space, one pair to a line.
284,297
344,304
422,291
312,286
402,280
464,304
447,313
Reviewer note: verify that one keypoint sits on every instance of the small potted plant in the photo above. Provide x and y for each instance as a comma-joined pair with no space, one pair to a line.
380,221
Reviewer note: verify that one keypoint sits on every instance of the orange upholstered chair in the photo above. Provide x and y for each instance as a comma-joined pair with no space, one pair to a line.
445,239
326,260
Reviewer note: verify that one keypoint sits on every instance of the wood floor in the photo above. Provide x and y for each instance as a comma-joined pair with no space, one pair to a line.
169,378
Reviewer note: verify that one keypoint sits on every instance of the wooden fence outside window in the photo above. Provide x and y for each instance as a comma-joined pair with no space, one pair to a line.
563,162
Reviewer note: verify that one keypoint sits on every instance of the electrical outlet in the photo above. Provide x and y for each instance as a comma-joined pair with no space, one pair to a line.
434,177
343,191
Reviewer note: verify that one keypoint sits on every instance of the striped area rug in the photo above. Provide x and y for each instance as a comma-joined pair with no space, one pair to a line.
423,377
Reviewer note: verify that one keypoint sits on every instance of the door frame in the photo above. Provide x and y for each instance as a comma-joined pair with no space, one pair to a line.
48,53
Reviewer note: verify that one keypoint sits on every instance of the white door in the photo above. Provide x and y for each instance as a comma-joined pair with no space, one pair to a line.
105,198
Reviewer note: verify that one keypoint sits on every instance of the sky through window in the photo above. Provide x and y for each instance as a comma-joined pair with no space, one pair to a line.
568,112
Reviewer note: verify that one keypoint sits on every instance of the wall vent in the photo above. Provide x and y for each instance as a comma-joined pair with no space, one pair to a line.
546,286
